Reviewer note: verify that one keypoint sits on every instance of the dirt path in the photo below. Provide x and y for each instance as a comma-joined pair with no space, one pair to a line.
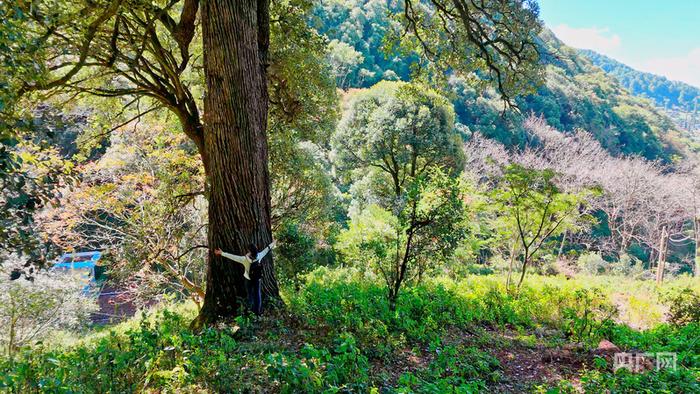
526,361
526,365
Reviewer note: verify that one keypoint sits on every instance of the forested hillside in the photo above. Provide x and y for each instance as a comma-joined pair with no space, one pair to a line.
575,95
335,196
665,93
679,100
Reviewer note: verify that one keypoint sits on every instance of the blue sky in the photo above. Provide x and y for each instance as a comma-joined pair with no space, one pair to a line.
658,36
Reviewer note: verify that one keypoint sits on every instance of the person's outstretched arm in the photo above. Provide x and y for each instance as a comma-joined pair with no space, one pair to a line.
265,251
234,257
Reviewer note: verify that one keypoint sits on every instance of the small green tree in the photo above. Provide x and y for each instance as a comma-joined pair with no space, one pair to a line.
400,246
398,152
343,58
533,209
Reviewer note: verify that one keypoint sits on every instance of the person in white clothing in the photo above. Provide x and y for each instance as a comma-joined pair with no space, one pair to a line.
252,264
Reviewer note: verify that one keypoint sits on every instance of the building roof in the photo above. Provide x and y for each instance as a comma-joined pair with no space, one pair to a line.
78,260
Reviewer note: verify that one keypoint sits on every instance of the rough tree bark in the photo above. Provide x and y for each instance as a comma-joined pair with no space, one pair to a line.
236,39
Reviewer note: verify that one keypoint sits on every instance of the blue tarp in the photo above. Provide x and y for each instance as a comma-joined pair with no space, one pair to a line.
78,260
83,261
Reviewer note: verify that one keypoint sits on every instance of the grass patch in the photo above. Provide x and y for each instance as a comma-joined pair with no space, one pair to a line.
339,335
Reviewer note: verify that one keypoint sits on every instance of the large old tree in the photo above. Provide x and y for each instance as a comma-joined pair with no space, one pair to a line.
151,54
146,52
236,38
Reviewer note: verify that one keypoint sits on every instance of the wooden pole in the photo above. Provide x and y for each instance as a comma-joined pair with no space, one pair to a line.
662,256
696,233
561,245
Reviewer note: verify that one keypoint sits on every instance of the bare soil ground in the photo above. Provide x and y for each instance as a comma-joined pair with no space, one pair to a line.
527,365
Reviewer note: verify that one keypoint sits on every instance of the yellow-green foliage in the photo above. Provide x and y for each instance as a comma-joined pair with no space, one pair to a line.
641,304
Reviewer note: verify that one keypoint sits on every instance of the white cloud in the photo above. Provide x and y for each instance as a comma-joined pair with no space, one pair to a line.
685,68
597,39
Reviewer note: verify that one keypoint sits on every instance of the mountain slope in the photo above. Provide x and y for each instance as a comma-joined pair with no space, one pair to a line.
664,92
679,100
576,95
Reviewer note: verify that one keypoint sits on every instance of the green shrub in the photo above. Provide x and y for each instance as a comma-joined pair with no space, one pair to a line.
344,368
626,265
297,254
589,315
455,369
592,263
479,269
652,382
684,341
157,352
684,308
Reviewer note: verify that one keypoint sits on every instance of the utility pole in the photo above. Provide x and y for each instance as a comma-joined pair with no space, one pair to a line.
696,233
696,221
662,256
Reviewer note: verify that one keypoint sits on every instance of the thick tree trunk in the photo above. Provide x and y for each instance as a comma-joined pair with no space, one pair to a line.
236,38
